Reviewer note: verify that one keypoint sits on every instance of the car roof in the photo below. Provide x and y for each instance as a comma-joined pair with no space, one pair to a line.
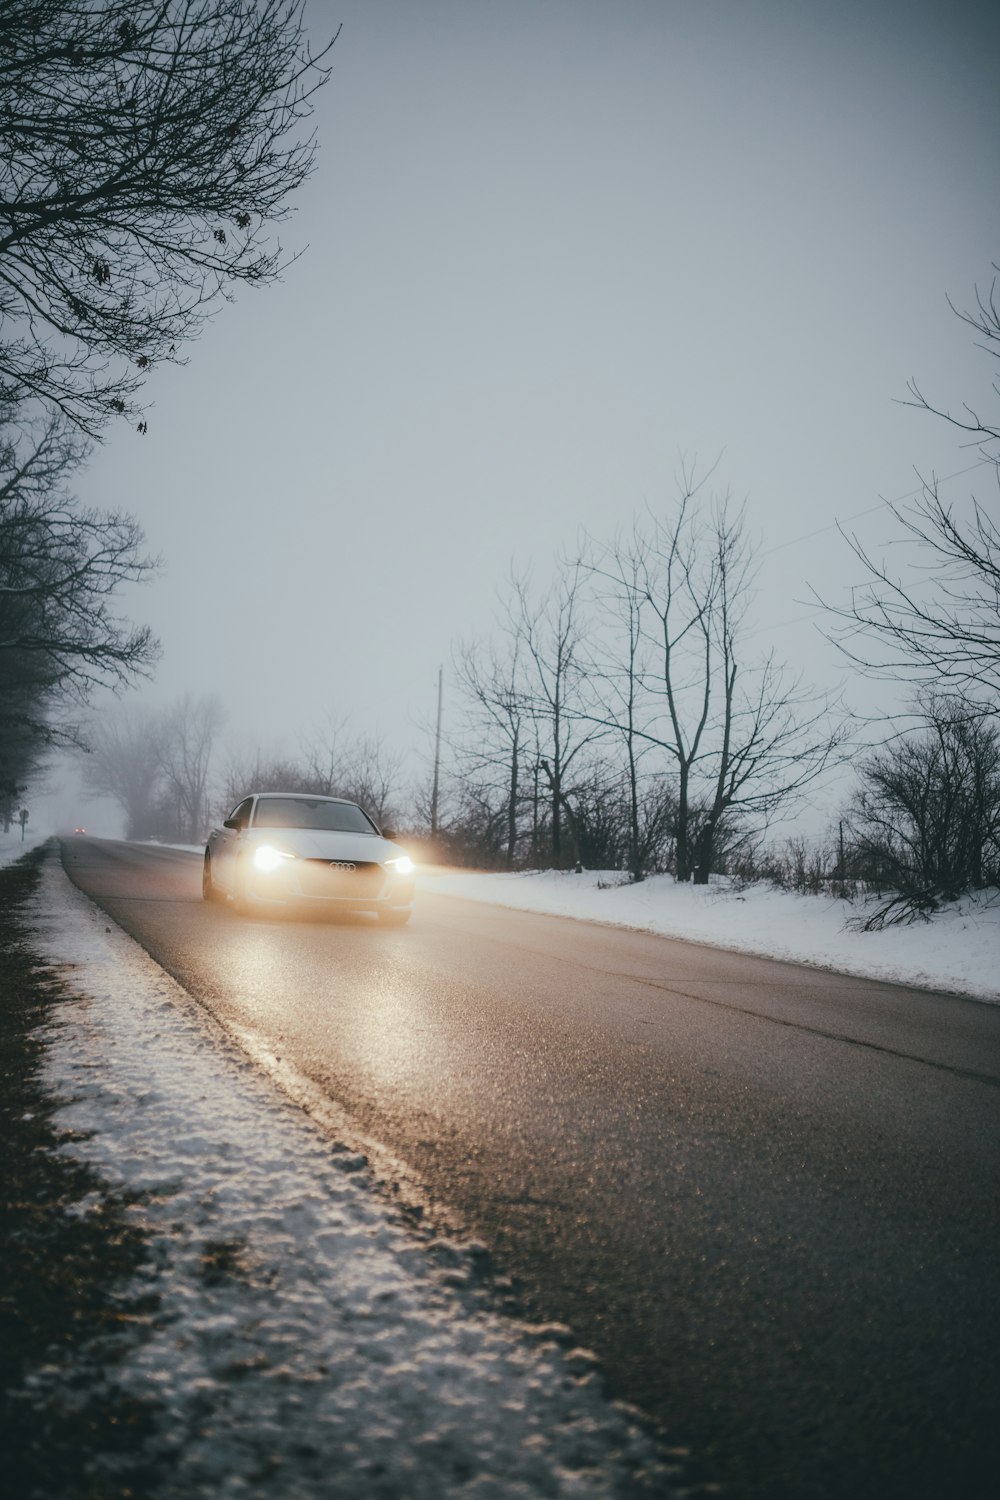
306,797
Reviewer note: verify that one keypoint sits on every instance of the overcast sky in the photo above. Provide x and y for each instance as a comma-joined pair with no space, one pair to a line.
552,244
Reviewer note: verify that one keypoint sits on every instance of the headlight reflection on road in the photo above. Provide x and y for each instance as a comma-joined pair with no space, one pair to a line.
339,983
381,1022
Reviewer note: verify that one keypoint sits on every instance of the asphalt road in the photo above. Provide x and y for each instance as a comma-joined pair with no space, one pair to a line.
765,1195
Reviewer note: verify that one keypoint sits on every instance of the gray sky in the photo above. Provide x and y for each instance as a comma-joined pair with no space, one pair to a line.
551,245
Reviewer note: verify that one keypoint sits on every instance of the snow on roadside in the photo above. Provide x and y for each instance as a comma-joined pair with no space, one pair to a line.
304,1344
12,846
958,951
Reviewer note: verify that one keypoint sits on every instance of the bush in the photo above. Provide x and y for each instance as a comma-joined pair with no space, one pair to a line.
925,821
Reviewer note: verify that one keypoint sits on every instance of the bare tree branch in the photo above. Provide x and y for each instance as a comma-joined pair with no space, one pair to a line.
146,149
61,567
936,624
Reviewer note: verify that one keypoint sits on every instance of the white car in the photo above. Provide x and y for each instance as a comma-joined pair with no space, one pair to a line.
295,849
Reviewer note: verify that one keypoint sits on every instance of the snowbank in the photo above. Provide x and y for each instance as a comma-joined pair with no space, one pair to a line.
958,951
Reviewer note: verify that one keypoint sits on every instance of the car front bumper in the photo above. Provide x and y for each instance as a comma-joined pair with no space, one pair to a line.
350,885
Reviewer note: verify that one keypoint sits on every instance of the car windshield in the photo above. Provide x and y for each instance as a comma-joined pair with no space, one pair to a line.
311,812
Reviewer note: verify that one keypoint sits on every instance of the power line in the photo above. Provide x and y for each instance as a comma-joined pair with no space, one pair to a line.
835,526
870,511
784,624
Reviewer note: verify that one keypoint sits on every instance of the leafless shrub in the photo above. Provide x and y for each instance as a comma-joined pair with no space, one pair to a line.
924,824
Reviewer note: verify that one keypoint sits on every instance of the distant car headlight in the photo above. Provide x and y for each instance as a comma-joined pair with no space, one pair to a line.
401,865
267,858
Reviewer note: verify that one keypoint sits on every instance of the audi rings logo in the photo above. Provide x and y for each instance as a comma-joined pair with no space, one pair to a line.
342,864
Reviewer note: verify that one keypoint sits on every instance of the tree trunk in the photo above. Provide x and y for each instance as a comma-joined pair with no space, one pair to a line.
556,820
706,846
512,806
683,851
635,860
559,801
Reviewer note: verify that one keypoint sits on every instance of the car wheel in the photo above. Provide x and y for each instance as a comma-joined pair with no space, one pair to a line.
396,916
209,890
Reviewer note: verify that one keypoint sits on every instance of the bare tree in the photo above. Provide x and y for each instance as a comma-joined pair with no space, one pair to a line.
493,743
942,627
328,753
19,753
984,319
259,773
743,740
937,623
477,829
123,762
553,681
146,147
61,566
616,695
187,738
362,767
774,738
374,779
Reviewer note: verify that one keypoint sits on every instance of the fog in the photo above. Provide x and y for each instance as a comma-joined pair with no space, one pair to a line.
547,249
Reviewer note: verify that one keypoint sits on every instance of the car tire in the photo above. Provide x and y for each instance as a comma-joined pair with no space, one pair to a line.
396,916
209,890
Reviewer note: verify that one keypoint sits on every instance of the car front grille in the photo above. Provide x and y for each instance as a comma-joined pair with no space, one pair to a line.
345,880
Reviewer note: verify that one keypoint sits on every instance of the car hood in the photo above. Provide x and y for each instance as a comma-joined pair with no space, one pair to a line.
317,843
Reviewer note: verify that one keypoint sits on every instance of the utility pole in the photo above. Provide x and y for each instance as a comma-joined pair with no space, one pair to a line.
437,761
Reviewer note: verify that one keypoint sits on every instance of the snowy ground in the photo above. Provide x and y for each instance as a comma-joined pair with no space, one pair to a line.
958,951
304,1343
12,846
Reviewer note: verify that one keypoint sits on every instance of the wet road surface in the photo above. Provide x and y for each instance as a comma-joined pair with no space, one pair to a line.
765,1195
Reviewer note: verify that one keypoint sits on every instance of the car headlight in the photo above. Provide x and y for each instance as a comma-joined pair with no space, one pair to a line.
267,858
401,865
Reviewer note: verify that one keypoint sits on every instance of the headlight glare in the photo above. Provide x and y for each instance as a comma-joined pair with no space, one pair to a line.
267,858
401,865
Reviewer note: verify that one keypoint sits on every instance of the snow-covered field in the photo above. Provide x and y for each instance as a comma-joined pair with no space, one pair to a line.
958,951
304,1343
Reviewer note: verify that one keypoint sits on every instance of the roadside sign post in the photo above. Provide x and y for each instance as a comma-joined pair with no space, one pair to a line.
23,818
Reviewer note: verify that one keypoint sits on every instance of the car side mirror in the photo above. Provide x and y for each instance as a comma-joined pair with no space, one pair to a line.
231,823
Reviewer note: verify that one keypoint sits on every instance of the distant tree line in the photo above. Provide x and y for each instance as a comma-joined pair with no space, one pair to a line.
165,770
146,149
